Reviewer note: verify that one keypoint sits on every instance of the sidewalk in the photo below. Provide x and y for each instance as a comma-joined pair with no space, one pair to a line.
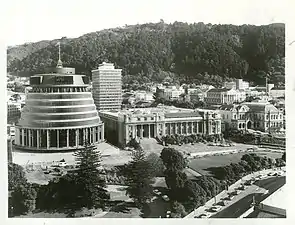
223,194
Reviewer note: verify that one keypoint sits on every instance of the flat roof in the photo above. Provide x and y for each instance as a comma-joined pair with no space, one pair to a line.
278,199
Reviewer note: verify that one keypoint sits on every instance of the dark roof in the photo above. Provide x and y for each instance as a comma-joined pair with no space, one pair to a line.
258,107
219,90
278,88
227,107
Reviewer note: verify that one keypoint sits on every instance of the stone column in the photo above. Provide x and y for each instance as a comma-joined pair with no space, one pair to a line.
30,136
141,131
133,131
102,132
68,137
48,139
38,138
23,137
187,126
77,137
93,134
197,127
149,130
57,138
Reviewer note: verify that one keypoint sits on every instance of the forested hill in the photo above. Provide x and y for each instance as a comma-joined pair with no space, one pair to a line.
151,52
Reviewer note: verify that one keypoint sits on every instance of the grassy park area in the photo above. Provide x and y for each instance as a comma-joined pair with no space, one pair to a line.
201,164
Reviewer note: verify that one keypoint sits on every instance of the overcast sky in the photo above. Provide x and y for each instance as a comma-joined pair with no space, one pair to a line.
35,20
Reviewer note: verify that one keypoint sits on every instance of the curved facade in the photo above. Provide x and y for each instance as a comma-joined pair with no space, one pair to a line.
59,113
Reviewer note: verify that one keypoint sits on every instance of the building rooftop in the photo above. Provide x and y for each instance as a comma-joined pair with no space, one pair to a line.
219,90
278,199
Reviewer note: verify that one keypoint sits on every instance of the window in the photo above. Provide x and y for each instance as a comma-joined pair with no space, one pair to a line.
138,118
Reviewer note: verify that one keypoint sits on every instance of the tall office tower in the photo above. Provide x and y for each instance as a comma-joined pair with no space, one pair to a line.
107,87
59,113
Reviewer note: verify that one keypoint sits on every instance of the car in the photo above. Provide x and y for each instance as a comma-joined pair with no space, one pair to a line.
62,164
236,192
222,203
168,214
203,215
165,198
216,208
242,187
157,192
229,197
266,192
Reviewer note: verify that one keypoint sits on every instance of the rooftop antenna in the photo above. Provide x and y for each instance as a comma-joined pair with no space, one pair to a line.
59,62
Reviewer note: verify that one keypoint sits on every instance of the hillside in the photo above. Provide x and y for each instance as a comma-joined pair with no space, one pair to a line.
151,52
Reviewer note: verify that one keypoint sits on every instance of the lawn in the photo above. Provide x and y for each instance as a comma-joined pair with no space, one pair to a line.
201,164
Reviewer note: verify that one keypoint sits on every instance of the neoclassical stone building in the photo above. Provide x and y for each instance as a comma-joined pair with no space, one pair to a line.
59,114
121,126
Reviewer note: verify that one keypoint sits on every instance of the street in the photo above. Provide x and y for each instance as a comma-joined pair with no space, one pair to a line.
238,208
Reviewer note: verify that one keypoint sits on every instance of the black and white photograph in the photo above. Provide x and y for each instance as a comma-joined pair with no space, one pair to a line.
146,109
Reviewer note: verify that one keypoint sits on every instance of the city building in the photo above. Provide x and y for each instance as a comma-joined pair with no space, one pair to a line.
59,114
144,96
195,95
220,96
235,116
122,126
241,85
170,93
107,87
238,84
13,108
277,92
273,206
254,115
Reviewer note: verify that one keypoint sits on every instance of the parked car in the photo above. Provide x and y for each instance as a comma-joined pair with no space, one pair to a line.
222,203
203,215
165,198
157,192
216,208
229,197
62,164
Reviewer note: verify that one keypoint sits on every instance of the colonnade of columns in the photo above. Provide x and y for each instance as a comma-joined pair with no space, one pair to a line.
172,128
57,138
184,128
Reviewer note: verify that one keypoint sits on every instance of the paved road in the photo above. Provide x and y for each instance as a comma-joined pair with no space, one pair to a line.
238,208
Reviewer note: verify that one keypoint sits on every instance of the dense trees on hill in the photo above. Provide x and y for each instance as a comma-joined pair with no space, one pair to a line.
152,51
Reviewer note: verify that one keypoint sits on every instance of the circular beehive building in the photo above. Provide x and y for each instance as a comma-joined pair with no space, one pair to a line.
59,114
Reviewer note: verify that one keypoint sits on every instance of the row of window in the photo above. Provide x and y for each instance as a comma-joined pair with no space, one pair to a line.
58,89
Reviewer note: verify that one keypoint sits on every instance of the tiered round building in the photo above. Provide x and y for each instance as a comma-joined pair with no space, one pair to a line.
59,113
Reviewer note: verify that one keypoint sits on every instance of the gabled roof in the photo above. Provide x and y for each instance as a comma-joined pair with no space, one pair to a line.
260,107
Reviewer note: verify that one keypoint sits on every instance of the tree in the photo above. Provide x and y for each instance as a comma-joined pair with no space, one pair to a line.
178,210
16,176
173,159
139,176
156,164
23,199
284,156
90,184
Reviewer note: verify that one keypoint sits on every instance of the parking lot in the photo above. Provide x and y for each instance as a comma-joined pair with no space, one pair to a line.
236,192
